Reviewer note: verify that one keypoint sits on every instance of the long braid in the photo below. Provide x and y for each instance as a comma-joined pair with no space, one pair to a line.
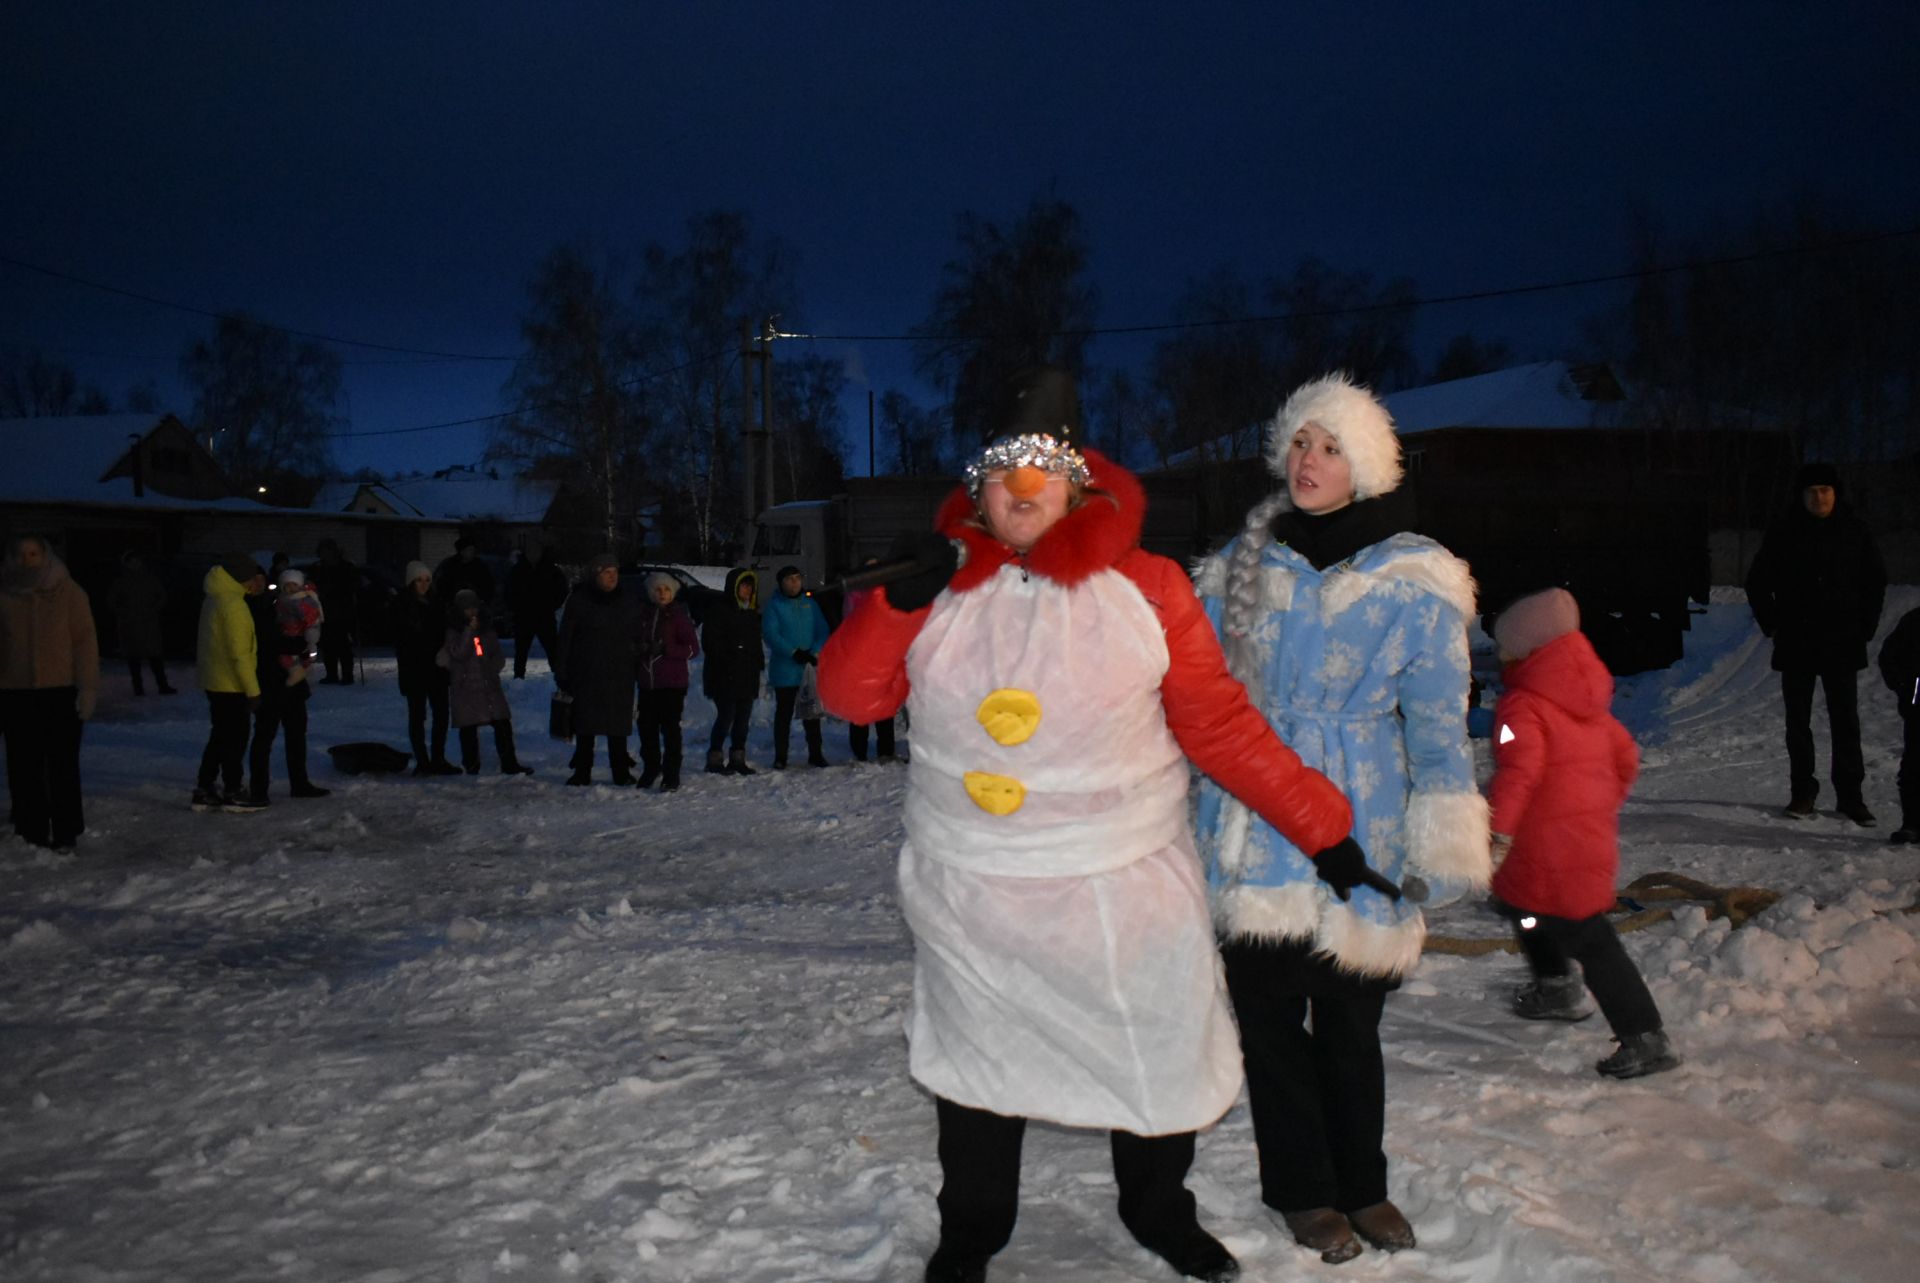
1242,597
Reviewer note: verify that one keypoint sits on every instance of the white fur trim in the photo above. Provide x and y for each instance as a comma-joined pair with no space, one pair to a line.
1276,587
1309,911
1235,825
1448,835
1428,567
1354,418
1210,576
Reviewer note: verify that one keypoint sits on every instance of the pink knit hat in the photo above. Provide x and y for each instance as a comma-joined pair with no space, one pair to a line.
1533,621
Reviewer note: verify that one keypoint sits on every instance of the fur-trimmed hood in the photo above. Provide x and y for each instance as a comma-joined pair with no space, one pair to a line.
1094,535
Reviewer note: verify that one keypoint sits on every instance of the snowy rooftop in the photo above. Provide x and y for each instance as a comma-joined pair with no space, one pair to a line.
1546,394
63,459
459,494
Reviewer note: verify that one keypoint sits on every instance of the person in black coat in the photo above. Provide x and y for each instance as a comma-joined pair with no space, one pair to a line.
535,593
596,664
338,582
464,570
282,708
1900,669
419,629
730,639
1816,587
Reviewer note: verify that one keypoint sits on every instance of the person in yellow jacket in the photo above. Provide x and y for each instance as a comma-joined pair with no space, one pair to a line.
227,655
49,676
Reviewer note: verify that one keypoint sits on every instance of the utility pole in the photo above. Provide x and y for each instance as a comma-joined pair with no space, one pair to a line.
872,471
747,357
766,400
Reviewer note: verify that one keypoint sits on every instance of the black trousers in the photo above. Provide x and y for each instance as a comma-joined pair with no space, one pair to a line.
617,760
42,731
426,691
658,722
502,745
336,651
526,628
159,667
284,710
857,739
730,716
784,698
225,756
1552,945
1316,1079
1843,723
1910,770
980,1181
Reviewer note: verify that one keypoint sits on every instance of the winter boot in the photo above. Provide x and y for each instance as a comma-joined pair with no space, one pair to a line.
1384,1226
622,764
949,1266
1323,1230
737,763
649,770
307,788
503,744
716,765
1552,998
670,778
1639,1055
1855,809
1905,834
1197,1254
815,757
1801,806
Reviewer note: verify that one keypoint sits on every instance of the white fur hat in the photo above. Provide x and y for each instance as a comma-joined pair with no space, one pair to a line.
1353,417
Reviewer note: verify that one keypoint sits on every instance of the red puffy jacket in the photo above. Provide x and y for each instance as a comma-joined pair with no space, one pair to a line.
1562,766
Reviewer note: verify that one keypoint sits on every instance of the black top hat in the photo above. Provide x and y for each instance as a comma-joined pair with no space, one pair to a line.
1039,398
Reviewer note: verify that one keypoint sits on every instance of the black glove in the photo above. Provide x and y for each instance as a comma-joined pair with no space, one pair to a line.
1343,866
805,657
934,551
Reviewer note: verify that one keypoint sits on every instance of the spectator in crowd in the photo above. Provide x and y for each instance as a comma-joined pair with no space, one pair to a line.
730,636
464,570
138,601
338,581
49,678
599,637
535,593
795,629
860,733
471,655
419,629
286,628
1900,669
1350,633
667,645
229,655
1816,587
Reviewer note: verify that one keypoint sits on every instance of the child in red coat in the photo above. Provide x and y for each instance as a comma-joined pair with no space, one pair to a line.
1562,767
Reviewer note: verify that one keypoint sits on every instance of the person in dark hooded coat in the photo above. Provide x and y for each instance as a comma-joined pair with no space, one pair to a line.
599,639
731,639
1817,587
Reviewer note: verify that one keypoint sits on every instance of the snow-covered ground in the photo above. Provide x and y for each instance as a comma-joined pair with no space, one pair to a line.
497,1029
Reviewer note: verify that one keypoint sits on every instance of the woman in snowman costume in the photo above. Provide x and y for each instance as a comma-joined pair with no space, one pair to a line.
1350,635
1060,678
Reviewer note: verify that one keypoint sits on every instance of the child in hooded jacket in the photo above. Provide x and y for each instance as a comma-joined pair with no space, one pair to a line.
473,659
297,613
1563,765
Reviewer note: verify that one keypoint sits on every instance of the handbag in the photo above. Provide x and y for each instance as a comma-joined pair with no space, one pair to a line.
560,716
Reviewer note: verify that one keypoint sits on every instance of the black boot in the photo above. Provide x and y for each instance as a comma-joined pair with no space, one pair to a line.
716,765
670,778
737,763
815,756
649,772
509,759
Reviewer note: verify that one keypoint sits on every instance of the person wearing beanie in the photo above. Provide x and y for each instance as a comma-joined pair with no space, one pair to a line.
1562,767
228,657
730,636
1350,634
464,569
1063,682
49,680
1816,587
668,645
419,629
795,628
599,651
286,627
338,582
473,659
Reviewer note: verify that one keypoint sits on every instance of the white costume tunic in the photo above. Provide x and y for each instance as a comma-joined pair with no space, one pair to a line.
1065,966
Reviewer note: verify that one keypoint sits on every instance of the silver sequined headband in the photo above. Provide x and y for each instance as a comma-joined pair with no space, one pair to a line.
1032,450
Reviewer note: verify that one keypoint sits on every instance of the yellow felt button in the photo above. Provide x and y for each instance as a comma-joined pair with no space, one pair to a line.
995,794
1010,716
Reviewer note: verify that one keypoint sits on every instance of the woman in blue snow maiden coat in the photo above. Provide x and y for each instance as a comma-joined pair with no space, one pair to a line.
1351,636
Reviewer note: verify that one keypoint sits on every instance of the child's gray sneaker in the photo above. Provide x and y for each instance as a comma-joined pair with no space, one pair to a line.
1552,998
1639,1055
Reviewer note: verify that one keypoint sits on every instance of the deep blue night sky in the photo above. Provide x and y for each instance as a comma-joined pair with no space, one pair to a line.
390,172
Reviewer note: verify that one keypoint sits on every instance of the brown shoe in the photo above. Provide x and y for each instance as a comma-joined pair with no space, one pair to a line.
1325,1231
1384,1226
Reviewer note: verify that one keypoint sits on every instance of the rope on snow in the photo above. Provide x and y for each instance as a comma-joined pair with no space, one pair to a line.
1736,904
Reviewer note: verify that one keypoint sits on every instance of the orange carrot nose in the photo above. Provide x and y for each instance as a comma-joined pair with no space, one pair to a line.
1026,482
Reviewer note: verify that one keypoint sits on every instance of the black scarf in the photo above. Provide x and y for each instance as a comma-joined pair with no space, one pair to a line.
1332,537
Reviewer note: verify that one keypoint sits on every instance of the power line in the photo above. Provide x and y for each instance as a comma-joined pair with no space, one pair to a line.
201,311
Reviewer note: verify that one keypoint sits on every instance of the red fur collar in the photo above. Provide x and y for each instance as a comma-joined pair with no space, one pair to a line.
1089,538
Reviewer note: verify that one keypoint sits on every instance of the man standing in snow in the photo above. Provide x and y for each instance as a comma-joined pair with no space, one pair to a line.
1816,587
228,656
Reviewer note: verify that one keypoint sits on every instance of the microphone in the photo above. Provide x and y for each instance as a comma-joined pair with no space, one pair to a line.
898,568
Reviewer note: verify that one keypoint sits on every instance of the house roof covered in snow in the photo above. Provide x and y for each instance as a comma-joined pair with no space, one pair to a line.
1545,394
455,494
67,459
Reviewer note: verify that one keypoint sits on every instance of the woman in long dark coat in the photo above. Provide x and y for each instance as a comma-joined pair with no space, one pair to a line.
731,639
667,645
599,639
